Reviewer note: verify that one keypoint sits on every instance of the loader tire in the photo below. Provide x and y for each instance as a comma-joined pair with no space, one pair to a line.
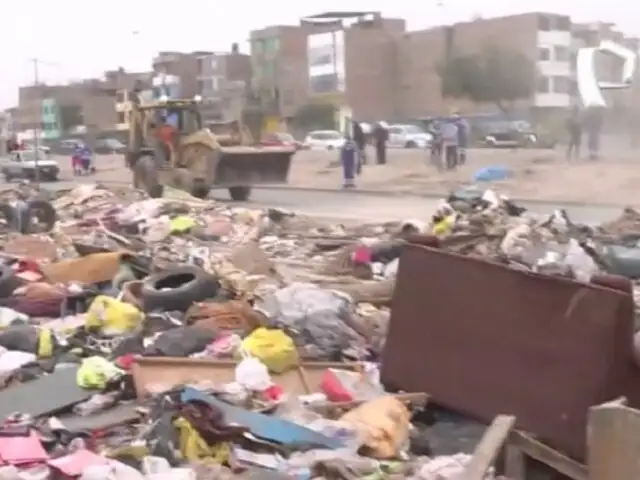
239,194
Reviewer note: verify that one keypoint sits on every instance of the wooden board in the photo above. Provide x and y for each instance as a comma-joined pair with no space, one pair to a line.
613,442
157,374
489,447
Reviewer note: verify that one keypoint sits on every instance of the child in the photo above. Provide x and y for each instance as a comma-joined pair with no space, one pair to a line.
349,161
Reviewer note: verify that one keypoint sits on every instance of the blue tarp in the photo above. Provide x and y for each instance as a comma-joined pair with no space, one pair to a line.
491,173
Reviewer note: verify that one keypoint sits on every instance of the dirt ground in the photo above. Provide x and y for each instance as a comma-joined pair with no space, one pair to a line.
535,174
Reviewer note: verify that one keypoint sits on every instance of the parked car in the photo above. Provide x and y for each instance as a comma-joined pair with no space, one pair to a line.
66,147
280,139
408,136
23,164
515,134
324,140
109,146
30,145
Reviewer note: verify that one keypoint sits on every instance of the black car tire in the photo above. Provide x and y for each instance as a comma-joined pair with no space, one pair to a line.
8,281
45,212
177,288
239,194
9,214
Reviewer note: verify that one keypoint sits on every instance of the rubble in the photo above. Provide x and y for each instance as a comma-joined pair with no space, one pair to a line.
180,338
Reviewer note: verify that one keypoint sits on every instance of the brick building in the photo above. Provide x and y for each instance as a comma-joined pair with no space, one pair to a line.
222,81
54,109
393,74
362,49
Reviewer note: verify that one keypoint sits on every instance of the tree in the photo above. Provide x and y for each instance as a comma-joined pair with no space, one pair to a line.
495,75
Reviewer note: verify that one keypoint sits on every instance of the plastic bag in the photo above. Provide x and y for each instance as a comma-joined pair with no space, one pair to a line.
274,348
112,316
314,317
581,264
252,374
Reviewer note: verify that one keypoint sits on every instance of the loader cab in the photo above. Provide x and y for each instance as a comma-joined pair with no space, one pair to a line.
185,118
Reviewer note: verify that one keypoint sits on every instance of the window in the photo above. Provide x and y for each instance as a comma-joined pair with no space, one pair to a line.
257,46
544,23
272,45
561,84
544,54
563,23
395,130
201,65
122,118
413,129
543,84
561,54
213,63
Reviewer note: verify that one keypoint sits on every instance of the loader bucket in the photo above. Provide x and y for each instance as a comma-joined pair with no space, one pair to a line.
247,166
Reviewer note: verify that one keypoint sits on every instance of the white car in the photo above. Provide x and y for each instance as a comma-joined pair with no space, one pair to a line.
408,136
324,140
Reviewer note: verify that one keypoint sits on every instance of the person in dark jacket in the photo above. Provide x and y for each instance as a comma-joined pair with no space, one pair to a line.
574,129
349,162
361,142
463,137
381,136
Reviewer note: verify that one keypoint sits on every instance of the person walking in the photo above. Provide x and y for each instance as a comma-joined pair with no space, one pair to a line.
436,144
381,136
463,137
361,142
449,135
574,129
349,162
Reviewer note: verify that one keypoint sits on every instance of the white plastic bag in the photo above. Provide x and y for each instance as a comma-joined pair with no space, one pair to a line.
582,265
252,374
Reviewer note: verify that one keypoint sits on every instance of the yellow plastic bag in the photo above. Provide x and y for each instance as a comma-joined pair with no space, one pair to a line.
112,316
95,372
274,348
181,224
194,448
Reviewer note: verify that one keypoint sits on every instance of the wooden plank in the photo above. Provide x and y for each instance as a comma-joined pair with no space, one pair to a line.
489,447
547,455
613,442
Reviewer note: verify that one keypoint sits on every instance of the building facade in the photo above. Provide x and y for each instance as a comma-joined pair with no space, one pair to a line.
223,79
346,59
50,119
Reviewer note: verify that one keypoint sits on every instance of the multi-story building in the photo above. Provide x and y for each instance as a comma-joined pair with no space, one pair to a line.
223,78
92,103
545,39
349,58
182,65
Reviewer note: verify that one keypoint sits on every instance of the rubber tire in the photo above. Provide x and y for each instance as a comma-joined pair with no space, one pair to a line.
156,191
50,215
411,144
239,194
9,213
200,189
8,281
155,296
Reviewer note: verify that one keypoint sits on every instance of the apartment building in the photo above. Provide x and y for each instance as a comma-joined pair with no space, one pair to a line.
544,38
222,81
347,58
93,103
185,66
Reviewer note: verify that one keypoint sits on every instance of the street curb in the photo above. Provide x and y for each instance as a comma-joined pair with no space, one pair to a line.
386,193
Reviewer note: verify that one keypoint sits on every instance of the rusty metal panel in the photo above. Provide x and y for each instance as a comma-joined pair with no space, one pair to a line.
485,339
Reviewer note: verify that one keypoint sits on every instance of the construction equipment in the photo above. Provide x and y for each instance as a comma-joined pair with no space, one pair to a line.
169,146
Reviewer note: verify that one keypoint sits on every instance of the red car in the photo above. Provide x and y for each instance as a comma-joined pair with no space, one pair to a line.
278,139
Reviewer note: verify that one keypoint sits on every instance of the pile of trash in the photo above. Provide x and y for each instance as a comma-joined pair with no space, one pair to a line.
181,338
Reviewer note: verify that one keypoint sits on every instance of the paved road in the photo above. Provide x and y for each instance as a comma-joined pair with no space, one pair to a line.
354,205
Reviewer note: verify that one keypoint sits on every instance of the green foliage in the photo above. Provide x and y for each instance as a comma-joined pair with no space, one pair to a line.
495,76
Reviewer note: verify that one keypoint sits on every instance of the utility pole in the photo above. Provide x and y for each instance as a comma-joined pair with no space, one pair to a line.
36,131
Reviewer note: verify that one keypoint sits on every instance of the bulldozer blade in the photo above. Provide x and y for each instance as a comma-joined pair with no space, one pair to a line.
247,166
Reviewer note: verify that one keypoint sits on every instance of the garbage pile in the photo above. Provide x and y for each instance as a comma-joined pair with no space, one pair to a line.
181,338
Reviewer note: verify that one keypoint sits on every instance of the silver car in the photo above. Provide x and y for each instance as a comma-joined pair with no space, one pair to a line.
23,164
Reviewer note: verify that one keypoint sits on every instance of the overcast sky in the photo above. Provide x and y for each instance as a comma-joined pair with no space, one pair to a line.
76,39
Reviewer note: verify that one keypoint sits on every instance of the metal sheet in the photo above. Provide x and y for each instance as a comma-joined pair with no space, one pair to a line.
47,394
485,339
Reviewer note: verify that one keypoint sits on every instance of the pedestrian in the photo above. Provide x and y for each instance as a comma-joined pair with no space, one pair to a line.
449,134
381,136
361,142
463,137
574,129
593,119
436,144
76,159
349,162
